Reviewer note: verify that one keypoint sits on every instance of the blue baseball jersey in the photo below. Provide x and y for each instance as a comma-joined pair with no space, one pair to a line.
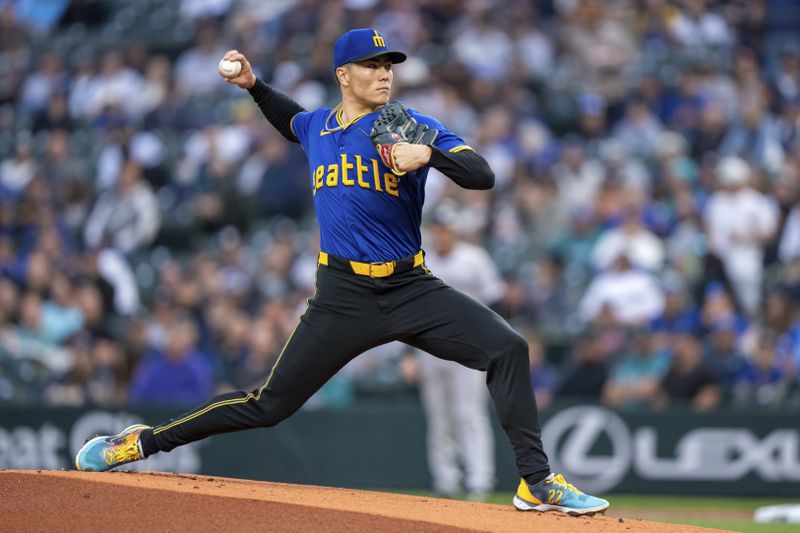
365,212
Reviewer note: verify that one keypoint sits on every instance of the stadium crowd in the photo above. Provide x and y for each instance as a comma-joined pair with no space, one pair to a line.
157,239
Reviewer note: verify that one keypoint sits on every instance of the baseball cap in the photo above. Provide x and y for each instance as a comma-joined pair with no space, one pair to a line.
446,215
732,171
361,44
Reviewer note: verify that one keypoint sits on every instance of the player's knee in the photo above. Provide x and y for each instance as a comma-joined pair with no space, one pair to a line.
268,420
272,413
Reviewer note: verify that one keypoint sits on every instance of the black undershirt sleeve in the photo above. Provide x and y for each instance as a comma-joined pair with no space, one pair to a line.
276,107
466,167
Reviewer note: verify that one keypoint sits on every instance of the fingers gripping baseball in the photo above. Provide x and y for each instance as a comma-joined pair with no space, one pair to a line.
245,78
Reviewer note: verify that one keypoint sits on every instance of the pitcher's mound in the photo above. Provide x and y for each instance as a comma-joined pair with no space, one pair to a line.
141,502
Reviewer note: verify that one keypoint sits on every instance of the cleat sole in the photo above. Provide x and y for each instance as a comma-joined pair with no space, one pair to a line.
522,505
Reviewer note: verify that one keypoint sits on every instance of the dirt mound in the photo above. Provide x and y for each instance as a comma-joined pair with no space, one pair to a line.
122,501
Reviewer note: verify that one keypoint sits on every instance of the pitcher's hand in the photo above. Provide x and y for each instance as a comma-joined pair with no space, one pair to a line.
246,79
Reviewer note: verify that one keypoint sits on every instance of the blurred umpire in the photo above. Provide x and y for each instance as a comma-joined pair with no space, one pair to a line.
455,397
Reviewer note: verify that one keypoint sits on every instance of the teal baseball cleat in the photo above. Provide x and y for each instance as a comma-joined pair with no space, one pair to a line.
110,451
555,494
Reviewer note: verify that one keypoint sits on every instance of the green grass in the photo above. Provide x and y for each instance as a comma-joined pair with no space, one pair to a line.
691,502
632,503
740,525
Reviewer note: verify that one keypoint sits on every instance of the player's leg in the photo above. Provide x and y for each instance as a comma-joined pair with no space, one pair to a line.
337,326
437,396
436,318
473,428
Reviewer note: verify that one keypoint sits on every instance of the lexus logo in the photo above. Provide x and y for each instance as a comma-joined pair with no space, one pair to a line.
594,447
569,437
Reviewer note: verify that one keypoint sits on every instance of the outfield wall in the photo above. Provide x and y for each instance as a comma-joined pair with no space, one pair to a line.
733,453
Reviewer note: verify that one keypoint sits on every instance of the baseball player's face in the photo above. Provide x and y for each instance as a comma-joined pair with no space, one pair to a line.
370,81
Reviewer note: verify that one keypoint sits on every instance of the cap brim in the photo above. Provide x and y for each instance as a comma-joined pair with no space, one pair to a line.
394,57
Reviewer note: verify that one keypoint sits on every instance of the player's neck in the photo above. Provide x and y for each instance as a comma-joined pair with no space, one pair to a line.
351,109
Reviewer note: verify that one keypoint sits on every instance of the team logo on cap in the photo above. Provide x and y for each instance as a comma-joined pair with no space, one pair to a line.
378,41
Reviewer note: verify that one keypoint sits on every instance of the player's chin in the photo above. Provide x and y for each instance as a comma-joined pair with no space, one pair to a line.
382,97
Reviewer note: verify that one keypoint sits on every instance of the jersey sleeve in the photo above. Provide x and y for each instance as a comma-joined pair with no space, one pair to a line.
446,141
299,125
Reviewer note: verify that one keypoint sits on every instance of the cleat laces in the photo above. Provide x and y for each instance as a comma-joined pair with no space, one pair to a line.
122,453
559,480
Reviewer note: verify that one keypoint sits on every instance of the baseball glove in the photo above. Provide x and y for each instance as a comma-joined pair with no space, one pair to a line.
394,125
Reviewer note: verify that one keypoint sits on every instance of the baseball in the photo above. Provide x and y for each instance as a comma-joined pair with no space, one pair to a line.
230,69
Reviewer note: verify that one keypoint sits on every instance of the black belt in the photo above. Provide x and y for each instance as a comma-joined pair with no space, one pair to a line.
373,270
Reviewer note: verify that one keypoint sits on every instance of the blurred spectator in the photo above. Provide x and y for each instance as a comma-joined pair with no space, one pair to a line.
577,177
585,373
483,48
754,138
155,85
57,166
631,238
639,131
764,380
679,315
268,178
601,44
16,172
633,382
43,83
739,222
725,357
116,87
789,243
628,296
196,69
231,359
690,381
710,129
532,45
55,115
696,25
782,320
127,217
204,9
60,317
178,375
550,295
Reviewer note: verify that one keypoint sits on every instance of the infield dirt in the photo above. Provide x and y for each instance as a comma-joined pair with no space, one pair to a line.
123,501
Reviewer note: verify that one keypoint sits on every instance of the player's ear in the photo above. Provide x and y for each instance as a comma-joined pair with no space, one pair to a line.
343,75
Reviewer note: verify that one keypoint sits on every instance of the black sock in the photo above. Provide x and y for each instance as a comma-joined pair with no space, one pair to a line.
149,446
533,479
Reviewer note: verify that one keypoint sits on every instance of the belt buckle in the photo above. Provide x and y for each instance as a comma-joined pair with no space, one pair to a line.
381,270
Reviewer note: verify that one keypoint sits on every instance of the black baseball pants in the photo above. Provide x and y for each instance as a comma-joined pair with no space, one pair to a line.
351,313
